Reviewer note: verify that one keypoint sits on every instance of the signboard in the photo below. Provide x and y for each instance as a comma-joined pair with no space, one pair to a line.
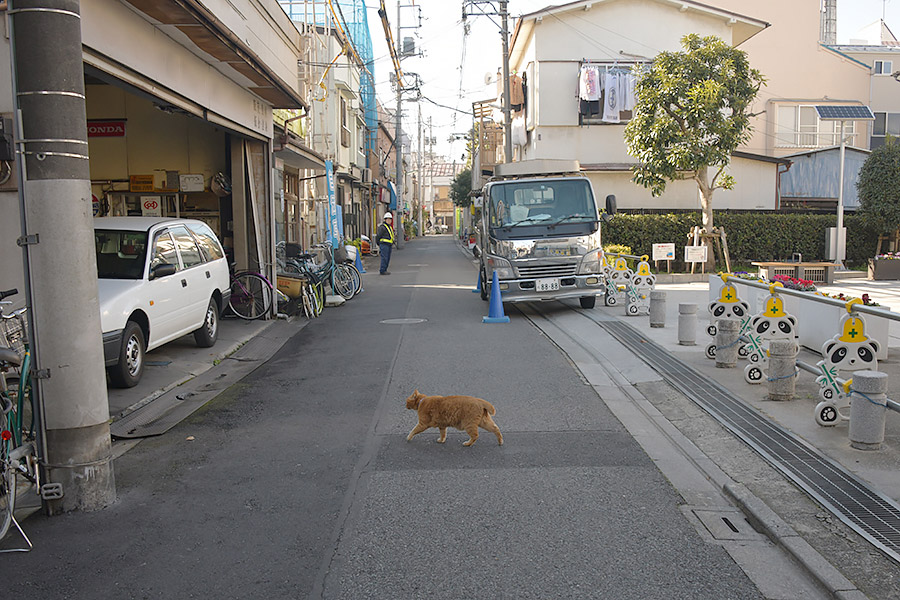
334,233
664,251
141,183
107,128
95,205
191,182
151,206
695,254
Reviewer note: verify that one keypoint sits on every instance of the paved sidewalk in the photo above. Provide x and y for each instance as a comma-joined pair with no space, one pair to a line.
880,467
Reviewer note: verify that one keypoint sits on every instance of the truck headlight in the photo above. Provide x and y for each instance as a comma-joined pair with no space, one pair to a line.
591,263
501,265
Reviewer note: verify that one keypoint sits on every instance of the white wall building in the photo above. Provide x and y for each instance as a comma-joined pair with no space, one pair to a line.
548,49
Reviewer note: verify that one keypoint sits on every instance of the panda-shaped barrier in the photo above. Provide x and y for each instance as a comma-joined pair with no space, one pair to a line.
773,323
616,282
728,306
850,350
637,290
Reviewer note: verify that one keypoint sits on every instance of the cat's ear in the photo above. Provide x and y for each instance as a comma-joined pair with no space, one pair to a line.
416,393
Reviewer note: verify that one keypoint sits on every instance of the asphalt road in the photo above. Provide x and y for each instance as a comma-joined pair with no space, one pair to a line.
299,483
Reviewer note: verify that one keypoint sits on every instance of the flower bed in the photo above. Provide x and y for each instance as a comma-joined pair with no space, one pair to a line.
792,283
884,266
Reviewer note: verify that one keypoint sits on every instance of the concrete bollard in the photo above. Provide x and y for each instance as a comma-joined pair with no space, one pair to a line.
782,369
727,343
868,413
687,324
657,308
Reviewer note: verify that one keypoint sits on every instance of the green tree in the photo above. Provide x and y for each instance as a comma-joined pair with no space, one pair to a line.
691,114
460,188
879,189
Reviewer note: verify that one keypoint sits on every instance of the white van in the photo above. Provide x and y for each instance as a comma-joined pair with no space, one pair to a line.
158,280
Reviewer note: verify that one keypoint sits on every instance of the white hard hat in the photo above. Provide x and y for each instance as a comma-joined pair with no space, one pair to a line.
388,215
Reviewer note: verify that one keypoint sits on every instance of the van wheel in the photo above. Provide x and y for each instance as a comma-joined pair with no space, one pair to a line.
587,301
208,333
128,371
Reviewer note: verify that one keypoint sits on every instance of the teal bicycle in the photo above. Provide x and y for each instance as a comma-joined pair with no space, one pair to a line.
18,421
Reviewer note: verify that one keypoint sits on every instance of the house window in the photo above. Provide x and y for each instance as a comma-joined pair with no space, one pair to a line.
883,67
605,93
345,131
800,127
886,124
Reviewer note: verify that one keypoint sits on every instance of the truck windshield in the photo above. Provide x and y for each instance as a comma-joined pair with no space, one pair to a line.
543,202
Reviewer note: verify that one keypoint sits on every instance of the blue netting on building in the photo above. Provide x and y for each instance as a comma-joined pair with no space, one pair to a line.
353,20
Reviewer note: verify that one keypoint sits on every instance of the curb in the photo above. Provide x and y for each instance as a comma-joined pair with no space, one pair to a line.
783,535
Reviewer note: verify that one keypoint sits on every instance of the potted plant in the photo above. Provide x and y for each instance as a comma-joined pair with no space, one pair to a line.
885,266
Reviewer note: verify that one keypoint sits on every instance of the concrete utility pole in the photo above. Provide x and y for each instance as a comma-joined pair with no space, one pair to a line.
58,242
421,189
398,213
507,125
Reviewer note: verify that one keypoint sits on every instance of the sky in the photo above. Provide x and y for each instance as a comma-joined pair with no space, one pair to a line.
453,73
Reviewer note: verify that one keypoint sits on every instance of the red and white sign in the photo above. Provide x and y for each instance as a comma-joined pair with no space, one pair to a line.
151,206
111,128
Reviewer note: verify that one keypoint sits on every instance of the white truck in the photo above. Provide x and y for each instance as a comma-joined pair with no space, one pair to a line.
540,232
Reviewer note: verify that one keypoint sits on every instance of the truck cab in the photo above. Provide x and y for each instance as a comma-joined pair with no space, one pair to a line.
540,232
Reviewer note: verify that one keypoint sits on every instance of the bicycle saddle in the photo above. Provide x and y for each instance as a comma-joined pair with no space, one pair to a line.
8,355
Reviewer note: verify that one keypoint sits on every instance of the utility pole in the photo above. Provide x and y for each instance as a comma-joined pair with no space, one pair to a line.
398,218
60,262
503,12
507,124
421,188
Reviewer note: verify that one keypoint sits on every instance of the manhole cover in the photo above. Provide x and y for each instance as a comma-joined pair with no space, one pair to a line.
403,321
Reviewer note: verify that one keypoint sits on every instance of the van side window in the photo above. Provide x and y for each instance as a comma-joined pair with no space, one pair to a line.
207,241
187,247
164,251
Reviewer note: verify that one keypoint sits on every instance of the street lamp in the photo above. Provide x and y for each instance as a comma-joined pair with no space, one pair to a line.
836,243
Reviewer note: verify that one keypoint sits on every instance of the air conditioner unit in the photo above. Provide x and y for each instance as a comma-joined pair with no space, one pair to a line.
367,175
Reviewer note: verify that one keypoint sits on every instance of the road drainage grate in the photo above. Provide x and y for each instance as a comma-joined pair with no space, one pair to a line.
866,511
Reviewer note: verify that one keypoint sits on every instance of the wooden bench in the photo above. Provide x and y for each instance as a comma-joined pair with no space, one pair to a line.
817,272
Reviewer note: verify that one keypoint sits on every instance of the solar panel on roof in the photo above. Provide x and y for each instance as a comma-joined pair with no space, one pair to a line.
848,112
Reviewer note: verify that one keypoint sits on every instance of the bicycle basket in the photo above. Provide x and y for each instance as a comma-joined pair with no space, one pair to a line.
340,254
14,332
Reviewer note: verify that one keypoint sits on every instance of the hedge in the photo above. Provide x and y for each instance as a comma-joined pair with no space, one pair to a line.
751,236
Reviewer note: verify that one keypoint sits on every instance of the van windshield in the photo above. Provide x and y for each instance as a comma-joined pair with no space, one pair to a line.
120,254
542,202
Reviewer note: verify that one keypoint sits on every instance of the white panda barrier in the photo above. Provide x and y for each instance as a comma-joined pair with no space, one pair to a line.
638,288
849,350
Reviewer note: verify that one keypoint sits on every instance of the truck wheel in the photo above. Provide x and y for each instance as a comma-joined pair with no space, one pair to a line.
587,301
484,286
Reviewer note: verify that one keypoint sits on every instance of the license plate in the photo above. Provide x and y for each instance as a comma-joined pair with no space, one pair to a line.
546,285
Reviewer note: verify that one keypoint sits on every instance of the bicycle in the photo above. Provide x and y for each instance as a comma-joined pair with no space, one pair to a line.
251,295
18,421
291,262
335,271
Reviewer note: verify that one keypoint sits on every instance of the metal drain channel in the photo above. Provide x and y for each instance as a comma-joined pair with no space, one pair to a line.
869,513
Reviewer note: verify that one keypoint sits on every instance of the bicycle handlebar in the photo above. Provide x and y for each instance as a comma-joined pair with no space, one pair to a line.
8,293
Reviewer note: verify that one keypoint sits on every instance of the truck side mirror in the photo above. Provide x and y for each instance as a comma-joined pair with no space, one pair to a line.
611,204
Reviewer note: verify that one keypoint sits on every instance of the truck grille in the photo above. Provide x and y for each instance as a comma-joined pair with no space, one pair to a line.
557,270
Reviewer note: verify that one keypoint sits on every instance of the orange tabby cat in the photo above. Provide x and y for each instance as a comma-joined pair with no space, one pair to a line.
465,413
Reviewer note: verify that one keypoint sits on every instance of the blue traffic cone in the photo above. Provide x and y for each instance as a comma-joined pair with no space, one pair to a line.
358,265
478,285
495,313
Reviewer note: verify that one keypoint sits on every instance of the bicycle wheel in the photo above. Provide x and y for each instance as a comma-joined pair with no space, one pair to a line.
318,297
307,302
251,296
355,277
341,282
7,478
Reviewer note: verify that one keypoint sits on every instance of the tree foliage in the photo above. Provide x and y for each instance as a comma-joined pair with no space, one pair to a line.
460,188
691,114
879,187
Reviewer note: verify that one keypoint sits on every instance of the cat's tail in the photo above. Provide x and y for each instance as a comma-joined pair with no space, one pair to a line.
488,407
